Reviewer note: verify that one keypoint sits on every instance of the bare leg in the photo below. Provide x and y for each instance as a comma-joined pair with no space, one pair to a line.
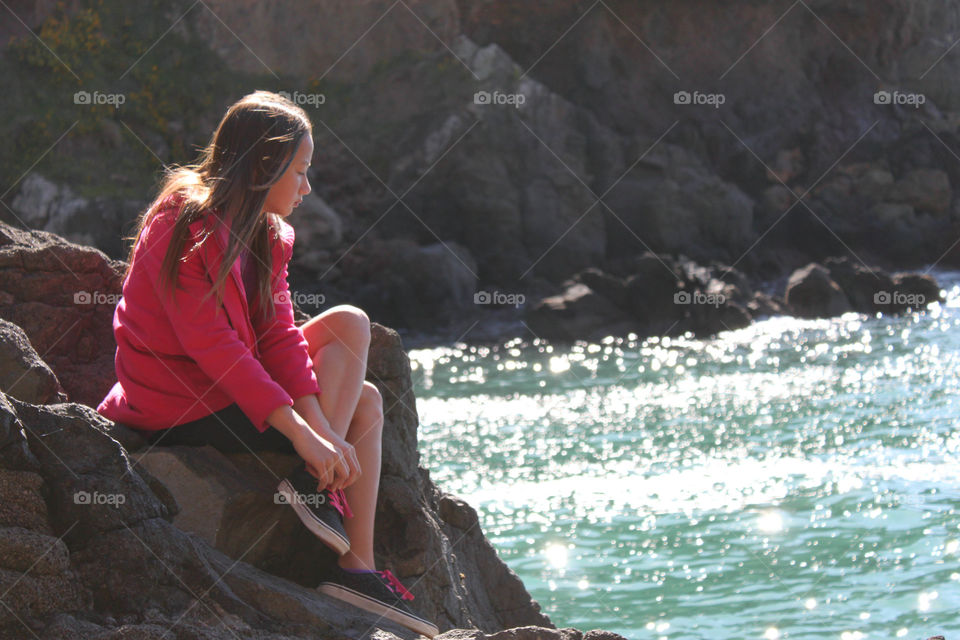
339,340
365,436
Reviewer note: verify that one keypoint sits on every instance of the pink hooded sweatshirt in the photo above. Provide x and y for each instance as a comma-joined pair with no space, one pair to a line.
178,363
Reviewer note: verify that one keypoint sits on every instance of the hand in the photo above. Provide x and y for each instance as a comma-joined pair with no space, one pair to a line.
350,457
323,460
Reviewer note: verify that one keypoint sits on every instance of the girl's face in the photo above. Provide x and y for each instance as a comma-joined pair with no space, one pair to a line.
288,192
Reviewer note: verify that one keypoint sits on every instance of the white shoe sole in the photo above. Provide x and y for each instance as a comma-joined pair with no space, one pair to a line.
367,603
320,529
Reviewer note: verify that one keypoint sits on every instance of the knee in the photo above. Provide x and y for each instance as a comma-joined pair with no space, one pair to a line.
371,405
350,323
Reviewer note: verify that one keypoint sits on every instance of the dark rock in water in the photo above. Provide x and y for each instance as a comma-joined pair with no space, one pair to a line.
812,293
661,296
579,313
915,290
815,290
763,305
859,283
63,296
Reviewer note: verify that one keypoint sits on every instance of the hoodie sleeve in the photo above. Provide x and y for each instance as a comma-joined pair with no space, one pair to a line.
283,349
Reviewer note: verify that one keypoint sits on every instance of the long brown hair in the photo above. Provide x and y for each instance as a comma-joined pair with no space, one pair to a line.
253,145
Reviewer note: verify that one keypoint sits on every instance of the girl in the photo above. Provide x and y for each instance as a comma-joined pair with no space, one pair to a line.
208,352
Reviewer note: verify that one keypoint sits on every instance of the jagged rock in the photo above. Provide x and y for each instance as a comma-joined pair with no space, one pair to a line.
62,295
859,283
763,305
42,204
288,40
923,189
149,529
673,203
663,295
920,289
531,167
577,313
319,228
23,374
417,286
812,293
842,285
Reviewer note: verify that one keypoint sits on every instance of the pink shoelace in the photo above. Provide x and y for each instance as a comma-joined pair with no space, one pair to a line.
395,584
339,501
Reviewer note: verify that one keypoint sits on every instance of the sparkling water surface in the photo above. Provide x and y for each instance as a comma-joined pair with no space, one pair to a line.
793,479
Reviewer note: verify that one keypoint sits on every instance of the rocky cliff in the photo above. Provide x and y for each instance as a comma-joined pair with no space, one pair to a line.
491,146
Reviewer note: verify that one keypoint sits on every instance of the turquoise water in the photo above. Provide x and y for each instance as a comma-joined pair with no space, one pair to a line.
794,479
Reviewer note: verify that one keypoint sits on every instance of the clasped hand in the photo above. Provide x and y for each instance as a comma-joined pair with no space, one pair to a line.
328,457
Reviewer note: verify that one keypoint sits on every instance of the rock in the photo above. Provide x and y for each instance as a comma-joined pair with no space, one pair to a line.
812,293
860,284
418,286
578,313
430,540
63,296
42,204
535,170
763,306
306,43
924,190
674,204
318,228
915,290
23,374
663,296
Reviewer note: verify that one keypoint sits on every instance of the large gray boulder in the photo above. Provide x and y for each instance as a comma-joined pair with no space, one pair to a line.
63,296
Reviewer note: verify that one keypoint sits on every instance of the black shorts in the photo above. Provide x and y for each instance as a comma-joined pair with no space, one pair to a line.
227,430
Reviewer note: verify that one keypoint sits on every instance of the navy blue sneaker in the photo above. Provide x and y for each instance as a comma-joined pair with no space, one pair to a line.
378,592
321,511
